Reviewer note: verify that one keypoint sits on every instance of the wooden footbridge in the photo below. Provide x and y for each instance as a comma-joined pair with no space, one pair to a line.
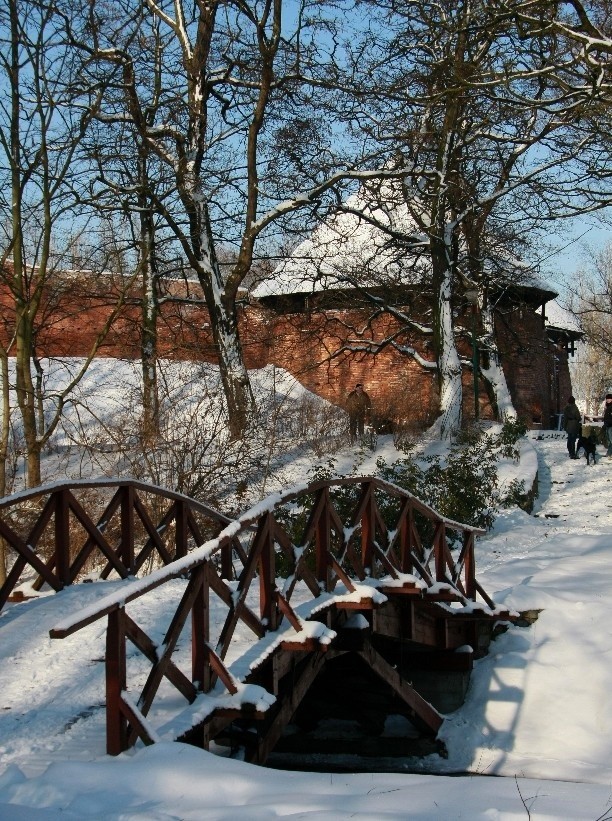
346,567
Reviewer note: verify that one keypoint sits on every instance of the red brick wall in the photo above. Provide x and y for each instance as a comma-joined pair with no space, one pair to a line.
306,345
536,370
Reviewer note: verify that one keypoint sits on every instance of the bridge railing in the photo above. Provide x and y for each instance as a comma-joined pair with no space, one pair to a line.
52,536
336,540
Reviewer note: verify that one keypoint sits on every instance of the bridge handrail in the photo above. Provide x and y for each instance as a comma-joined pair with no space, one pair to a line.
346,553
125,481
393,490
182,566
125,534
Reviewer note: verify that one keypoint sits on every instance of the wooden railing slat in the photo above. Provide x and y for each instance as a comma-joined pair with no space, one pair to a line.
96,538
29,555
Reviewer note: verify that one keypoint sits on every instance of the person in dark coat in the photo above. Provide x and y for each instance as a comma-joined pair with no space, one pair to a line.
358,405
572,425
607,423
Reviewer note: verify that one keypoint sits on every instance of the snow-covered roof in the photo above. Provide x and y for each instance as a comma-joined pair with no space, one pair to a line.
559,317
350,247
370,242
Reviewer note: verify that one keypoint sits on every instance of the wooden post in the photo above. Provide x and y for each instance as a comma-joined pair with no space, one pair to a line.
267,572
440,557
227,565
469,565
368,522
182,535
62,537
323,541
126,550
116,723
406,537
200,633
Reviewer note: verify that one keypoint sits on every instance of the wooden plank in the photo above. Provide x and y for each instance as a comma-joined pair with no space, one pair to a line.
244,583
26,552
11,580
200,634
160,668
362,604
149,649
283,663
126,547
355,560
309,645
35,534
62,536
423,626
138,727
219,587
423,712
115,662
42,522
406,589
267,572
221,671
181,530
313,518
155,539
439,541
323,542
96,538
285,708
444,596
367,527
389,624
386,563
479,589
335,566
422,569
288,611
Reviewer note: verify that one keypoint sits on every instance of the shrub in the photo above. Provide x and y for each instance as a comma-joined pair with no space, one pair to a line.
507,439
462,486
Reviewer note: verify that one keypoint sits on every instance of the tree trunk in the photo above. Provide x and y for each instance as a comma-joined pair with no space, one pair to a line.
492,370
150,315
447,357
232,370
26,397
224,324
4,443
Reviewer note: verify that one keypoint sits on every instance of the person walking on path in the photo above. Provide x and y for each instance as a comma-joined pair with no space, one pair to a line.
358,405
571,424
607,422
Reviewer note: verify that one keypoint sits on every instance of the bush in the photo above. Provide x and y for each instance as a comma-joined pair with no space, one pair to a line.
512,430
463,485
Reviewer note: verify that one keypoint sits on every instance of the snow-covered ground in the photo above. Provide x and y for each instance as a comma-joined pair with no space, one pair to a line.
538,712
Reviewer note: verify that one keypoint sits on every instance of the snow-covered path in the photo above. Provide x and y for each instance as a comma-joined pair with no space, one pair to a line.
539,706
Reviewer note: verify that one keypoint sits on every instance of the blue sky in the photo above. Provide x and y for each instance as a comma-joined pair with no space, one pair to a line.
576,243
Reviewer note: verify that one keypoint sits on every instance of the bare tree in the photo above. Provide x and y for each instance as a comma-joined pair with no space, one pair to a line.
491,122
238,84
43,126
591,302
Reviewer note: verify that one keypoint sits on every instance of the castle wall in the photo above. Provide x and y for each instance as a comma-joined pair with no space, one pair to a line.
310,346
